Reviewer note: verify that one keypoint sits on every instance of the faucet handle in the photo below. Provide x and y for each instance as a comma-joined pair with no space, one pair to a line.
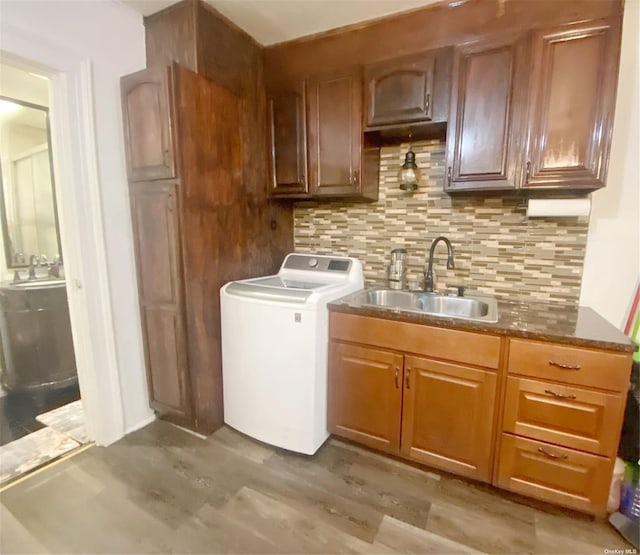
430,280
461,289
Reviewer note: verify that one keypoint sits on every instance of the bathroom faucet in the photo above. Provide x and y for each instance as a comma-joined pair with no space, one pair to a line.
33,262
54,267
428,276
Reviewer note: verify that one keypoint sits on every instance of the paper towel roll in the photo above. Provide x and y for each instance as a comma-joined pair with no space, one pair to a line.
557,207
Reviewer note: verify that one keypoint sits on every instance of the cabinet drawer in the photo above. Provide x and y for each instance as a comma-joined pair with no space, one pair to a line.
454,345
554,474
565,415
572,365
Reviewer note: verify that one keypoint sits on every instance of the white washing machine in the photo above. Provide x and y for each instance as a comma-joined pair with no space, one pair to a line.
274,349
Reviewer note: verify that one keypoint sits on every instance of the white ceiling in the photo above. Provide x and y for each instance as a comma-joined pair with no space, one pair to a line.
273,21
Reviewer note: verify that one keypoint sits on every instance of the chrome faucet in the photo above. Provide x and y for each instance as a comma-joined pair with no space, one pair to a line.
33,262
54,267
428,276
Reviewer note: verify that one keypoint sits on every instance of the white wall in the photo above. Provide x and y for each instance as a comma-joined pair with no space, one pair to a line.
612,263
108,38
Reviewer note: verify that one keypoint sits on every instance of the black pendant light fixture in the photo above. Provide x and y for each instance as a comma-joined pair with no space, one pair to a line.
409,173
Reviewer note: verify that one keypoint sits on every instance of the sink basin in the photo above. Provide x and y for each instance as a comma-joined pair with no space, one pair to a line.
37,283
479,308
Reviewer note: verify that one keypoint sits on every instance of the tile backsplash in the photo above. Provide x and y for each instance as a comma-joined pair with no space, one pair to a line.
498,250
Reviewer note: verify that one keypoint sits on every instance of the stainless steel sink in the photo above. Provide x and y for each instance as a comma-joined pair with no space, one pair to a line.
471,307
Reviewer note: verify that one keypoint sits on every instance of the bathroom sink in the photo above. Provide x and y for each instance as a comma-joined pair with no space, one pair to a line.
38,283
472,307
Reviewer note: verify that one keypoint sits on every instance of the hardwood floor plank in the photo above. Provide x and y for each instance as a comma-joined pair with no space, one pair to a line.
15,537
292,531
566,532
212,531
405,538
474,526
338,479
242,445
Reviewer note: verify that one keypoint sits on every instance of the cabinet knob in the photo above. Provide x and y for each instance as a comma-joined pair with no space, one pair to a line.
354,178
449,176
407,378
527,173
427,103
397,375
564,366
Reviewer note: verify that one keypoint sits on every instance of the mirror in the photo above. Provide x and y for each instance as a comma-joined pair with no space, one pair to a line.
27,194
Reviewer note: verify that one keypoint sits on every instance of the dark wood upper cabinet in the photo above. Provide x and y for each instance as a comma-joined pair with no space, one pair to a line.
339,165
399,91
573,86
148,125
487,113
408,91
287,141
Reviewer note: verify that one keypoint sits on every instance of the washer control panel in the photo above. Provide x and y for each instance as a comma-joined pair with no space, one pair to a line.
317,263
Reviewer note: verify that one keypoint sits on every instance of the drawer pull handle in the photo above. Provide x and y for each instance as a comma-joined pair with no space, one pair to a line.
559,395
564,366
407,379
551,455
395,379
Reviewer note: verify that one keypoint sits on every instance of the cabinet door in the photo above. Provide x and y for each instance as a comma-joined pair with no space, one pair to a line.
147,114
365,395
400,91
486,115
573,88
448,416
334,128
156,240
288,143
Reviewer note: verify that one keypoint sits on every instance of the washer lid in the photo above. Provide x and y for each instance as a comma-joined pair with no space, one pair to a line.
275,288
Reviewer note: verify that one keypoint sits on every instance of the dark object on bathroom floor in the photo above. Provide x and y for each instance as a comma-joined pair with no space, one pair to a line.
18,410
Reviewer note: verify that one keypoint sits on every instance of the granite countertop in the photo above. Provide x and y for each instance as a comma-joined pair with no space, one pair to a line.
581,325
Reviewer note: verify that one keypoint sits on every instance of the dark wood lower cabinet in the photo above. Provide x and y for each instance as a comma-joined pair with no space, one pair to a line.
448,416
365,395
537,418
156,228
429,411
164,335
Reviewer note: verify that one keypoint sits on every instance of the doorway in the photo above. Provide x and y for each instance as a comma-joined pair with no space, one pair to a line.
41,415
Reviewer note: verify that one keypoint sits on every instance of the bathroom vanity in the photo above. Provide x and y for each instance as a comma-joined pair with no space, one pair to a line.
36,336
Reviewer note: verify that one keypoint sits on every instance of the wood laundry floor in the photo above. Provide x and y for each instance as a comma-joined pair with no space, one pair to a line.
164,490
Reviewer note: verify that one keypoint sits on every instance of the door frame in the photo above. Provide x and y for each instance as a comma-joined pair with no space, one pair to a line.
74,149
